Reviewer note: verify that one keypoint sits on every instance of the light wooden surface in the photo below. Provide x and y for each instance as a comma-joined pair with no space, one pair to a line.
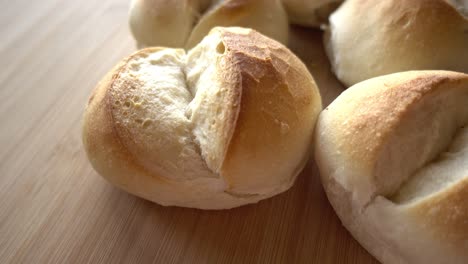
55,209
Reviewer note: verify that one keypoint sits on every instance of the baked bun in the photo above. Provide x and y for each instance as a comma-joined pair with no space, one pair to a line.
393,158
184,23
226,124
311,13
367,38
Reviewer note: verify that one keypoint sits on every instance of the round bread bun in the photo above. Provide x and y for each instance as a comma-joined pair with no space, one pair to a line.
184,23
366,38
393,158
310,13
226,124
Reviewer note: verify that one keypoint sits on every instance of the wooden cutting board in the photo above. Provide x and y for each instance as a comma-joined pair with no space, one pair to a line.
55,209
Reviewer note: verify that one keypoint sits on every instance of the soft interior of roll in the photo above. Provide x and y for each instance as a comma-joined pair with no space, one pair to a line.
150,97
428,151
210,111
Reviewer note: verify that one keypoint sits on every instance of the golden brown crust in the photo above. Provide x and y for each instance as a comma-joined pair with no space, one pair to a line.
265,68
100,139
101,134
376,120
445,214
372,117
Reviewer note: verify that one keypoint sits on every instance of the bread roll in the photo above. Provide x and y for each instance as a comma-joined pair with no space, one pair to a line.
311,13
366,38
226,124
184,23
393,157
155,22
265,16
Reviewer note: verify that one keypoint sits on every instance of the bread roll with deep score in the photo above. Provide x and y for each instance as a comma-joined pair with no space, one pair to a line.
393,157
184,23
226,124
368,38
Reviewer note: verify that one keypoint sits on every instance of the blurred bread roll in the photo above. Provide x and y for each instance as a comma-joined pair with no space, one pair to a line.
226,124
310,13
367,38
184,23
163,23
393,157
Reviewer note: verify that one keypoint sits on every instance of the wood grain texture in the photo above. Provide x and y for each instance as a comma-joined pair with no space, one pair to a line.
55,209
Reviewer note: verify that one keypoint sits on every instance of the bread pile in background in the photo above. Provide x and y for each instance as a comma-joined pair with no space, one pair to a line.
184,23
231,120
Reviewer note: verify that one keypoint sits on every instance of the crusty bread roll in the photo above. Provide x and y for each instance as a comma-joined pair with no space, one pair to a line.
226,124
184,23
367,38
310,13
393,157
